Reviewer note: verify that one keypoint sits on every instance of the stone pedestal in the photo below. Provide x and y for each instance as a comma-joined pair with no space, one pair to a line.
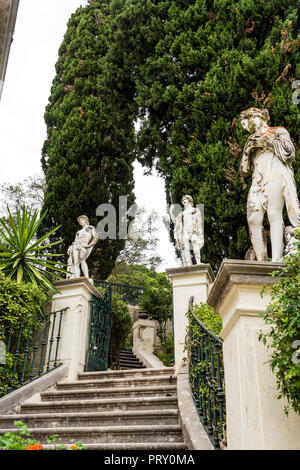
143,336
75,295
188,282
255,417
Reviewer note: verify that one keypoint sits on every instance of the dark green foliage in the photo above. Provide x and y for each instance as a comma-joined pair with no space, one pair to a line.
157,302
206,314
133,274
22,256
87,155
166,354
283,337
211,60
19,302
186,69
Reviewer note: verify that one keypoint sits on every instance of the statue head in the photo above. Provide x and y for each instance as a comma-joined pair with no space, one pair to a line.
83,220
252,118
186,200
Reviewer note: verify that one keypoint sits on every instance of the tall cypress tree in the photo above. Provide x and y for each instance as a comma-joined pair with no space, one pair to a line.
213,60
88,153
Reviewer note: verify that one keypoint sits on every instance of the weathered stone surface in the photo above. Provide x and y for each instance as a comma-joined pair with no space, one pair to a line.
188,231
111,411
269,153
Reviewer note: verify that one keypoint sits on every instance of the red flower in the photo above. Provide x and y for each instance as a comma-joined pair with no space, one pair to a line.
35,447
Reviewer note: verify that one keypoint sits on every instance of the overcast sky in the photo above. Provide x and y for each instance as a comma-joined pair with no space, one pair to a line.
39,31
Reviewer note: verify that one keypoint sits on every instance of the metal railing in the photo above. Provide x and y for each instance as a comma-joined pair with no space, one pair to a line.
29,350
207,380
127,292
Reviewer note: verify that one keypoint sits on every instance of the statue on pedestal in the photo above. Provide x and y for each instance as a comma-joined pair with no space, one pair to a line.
81,248
269,153
188,231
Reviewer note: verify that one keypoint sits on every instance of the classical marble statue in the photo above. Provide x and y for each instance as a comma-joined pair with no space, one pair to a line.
269,153
81,248
188,231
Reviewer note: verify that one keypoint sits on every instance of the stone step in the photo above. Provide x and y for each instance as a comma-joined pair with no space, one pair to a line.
120,382
125,373
117,417
126,353
106,405
131,363
130,367
108,434
94,393
119,446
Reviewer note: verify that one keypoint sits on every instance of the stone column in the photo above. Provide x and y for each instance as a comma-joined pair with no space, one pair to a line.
190,281
255,417
75,295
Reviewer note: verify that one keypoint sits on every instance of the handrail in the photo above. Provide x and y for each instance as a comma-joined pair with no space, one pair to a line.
216,338
207,380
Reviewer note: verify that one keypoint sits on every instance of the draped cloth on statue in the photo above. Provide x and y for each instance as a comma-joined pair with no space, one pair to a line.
270,165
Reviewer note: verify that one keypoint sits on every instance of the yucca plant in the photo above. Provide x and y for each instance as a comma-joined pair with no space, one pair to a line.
23,257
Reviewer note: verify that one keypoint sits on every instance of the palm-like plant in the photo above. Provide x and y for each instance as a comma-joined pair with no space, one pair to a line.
22,256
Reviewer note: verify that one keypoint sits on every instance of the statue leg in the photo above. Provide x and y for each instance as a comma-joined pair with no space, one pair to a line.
275,207
76,264
255,217
197,254
84,268
186,253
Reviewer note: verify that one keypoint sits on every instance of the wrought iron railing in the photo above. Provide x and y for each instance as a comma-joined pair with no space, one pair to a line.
207,380
29,350
127,292
99,332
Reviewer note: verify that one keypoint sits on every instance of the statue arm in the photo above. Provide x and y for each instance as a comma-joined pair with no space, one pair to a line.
200,227
94,240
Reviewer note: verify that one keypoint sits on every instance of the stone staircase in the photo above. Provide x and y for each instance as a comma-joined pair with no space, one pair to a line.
129,361
114,410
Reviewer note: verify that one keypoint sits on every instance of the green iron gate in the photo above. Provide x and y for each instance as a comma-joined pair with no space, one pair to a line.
99,332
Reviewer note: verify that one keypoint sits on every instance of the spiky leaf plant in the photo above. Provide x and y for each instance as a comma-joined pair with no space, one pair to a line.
23,257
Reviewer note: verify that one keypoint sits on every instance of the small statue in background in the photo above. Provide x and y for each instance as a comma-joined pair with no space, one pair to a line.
81,248
291,240
188,231
269,154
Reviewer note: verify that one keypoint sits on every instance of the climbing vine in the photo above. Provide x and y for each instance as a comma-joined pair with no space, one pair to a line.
283,336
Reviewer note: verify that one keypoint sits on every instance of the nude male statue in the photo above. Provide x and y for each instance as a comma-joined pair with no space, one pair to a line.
188,231
81,248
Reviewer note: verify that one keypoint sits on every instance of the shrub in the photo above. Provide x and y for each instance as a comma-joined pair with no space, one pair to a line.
22,256
157,302
211,320
283,336
20,302
20,440
167,353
